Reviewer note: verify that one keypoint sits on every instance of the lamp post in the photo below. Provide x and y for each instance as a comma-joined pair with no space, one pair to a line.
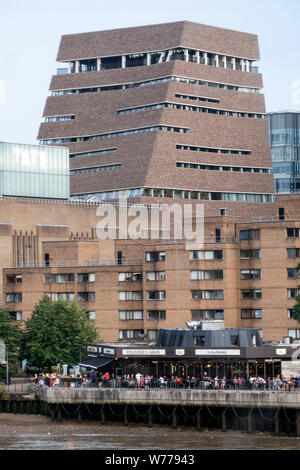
79,345
6,350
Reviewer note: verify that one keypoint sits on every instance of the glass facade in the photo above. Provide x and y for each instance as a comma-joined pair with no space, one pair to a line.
284,129
34,171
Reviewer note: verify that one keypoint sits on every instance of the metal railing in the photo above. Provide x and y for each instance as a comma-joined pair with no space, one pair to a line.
157,384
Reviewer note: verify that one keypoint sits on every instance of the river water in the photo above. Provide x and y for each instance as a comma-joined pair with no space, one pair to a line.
31,432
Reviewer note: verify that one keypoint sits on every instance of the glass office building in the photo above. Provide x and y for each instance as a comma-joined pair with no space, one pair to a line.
34,171
284,129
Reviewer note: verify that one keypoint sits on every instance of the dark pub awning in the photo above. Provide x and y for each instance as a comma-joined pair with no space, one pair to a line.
96,362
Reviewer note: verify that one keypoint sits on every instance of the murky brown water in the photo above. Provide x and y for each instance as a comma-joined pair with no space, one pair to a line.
30,432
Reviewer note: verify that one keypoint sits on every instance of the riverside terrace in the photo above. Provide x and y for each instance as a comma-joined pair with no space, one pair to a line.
267,361
276,412
225,353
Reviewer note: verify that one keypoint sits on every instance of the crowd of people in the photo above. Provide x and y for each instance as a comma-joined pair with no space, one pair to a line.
98,379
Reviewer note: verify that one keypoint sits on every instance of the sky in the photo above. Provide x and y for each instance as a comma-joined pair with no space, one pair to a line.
30,33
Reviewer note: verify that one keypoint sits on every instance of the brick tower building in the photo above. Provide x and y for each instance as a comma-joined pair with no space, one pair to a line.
163,113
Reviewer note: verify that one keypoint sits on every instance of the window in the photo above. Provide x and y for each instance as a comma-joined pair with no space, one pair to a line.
131,334
292,273
207,315
206,275
86,277
293,232
250,274
156,314
156,275
250,234
47,259
206,255
295,334
252,314
156,295
199,340
86,296
234,340
14,279
128,295
250,254
293,252
14,297
281,213
290,313
156,256
207,294
59,118
183,107
135,60
131,314
91,314
59,278
119,257
95,169
108,63
152,334
251,294
213,150
218,235
292,293
54,296
130,277
16,316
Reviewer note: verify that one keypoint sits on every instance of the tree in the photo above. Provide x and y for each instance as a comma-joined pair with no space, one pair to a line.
10,334
296,309
57,332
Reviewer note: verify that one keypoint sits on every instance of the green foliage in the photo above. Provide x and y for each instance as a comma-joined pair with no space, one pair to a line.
55,332
2,391
10,334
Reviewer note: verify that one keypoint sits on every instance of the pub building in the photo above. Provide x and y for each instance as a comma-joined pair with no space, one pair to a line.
193,352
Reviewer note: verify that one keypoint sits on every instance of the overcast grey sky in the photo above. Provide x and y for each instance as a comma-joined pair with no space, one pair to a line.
30,33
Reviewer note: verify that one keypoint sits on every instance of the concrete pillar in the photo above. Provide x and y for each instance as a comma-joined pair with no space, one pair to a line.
69,67
77,66
205,57
249,421
216,58
79,414
168,55
59,412
225,61
148,58
233,62
123,61
277,424
297,423
224,425
14,407
125,417
162,55
174,420
102,421
198,57
243,64
247,65
186,55
150,419
198,424
98,65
